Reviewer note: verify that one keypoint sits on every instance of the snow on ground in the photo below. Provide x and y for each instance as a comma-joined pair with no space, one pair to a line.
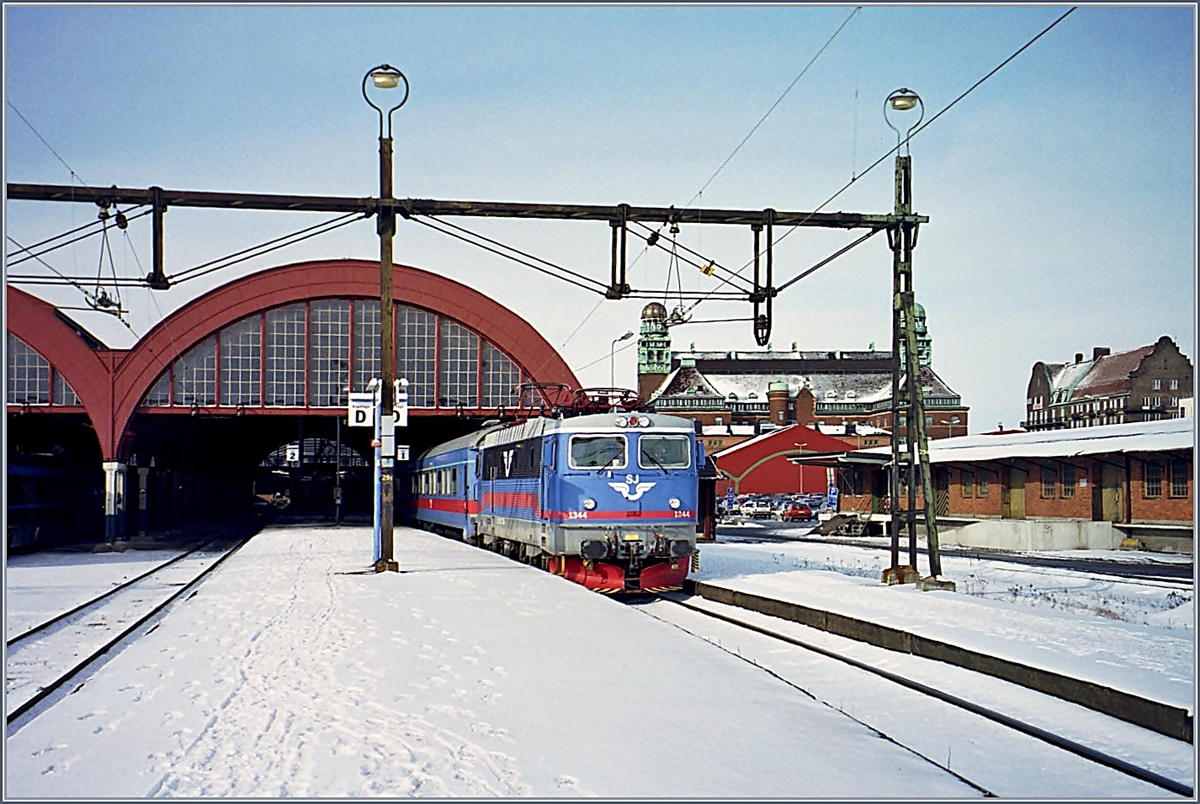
47,584
1138,637
294,672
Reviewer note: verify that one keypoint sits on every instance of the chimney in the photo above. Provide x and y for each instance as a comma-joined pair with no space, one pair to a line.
1079,357
1100,351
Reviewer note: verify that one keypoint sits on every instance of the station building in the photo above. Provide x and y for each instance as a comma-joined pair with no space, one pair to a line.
1100,487
1144,384
247,381
735,395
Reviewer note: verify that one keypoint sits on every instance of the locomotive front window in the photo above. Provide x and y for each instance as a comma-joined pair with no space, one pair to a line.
664,452
597,452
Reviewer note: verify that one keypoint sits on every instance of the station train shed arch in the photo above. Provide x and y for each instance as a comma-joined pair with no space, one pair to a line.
270,356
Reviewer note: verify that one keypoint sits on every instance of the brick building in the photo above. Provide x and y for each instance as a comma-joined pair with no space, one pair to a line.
1053,489
1144,384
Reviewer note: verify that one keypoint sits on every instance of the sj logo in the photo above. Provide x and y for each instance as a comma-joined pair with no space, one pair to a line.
508,459
634,482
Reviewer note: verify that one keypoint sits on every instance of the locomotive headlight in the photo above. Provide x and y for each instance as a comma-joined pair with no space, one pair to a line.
593,549
589,503
644,421
681,548
674,503
622,421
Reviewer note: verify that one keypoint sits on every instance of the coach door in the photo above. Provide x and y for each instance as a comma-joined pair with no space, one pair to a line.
547,493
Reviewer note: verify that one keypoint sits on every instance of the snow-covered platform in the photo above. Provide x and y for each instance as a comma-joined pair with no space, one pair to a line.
1077,635
295,671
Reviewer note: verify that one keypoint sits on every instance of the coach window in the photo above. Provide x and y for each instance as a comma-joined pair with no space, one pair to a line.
663,452
597,452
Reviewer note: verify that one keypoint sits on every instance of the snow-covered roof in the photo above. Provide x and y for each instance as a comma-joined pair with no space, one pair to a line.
861,428
1065,375
1102,376
685,380
1159,436
751,442
739,378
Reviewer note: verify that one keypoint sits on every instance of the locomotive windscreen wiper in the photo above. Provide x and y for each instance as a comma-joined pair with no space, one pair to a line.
656,461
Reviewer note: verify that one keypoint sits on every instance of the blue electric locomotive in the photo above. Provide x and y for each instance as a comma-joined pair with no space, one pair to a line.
607,500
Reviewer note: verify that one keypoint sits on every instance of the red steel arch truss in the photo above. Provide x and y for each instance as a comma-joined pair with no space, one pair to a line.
285,341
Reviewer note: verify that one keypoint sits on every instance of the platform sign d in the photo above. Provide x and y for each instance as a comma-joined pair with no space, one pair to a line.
360,410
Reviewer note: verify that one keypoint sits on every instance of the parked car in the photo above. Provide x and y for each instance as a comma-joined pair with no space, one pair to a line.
756,508
795,512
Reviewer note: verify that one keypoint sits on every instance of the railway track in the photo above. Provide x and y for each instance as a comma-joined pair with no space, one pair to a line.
761,625
45,659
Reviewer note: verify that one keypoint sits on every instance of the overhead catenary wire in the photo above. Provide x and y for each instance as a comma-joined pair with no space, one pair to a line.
774,105
699,193
629,345
38,134
15,258
707,267
909,137
496,247
265,247
66,281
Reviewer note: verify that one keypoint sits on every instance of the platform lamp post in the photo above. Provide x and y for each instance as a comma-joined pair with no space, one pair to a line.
612,351
386,78
902,238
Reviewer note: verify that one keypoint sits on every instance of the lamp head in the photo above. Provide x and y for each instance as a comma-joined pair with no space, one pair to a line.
385,77
902,100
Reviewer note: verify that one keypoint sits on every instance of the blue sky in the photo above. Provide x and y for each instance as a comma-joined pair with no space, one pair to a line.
1061,192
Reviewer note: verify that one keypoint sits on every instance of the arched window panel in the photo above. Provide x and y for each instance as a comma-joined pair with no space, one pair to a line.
27,373
416,353
501,377
459,375
64,394
285,356
241,362
196,375
366,343
159,395
329,361
314,451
